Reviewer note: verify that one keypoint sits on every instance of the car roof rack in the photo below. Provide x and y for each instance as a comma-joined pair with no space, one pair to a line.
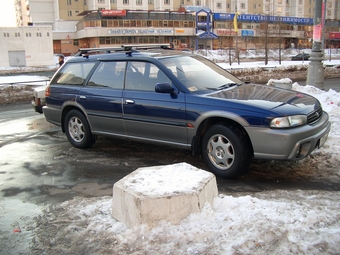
90,51
148,46
126,48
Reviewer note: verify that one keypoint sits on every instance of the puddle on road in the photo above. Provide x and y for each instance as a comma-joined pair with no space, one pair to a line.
21,128
16,226
85,189
34,123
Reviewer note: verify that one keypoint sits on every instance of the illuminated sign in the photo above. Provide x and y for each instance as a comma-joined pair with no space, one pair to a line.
263,18
226,32
113,13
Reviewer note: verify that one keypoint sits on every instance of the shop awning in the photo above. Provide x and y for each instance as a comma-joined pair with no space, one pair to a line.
207,35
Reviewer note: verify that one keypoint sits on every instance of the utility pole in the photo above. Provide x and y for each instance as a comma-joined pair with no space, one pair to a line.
315,76
237,51
324,24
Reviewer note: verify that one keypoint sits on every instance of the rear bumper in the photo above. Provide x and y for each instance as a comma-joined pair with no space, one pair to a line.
289,144
37,105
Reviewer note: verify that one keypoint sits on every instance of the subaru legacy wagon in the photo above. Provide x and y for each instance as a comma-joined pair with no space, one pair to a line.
179,99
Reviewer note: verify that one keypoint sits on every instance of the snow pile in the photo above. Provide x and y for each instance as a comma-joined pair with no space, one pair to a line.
275,222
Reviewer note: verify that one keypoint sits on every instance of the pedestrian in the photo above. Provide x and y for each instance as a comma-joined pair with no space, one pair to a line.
61,60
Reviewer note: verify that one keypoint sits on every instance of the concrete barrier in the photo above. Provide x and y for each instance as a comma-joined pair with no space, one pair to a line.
169,193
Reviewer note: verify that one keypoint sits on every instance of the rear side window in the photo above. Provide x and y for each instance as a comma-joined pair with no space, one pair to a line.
108,75
74,73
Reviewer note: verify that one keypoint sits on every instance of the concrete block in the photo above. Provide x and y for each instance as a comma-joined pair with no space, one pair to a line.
170,193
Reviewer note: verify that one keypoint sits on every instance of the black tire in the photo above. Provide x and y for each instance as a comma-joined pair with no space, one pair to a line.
78,130
226,151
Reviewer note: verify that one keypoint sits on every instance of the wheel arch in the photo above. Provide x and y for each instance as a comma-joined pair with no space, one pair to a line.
66,109
214,120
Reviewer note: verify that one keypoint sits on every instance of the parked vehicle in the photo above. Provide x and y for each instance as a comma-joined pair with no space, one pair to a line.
301,56
38,100
178,99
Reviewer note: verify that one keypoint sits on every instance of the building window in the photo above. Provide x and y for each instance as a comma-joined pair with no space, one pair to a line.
182,2
228,6
150,2
38,34
69,2
243,5
279,1
69,13
139,2
218,5
7,34
75,42
279,9
125,1
112,1
48,34
300,1
166,1
198,2
17,34
300,10
254,6
101,1
85,2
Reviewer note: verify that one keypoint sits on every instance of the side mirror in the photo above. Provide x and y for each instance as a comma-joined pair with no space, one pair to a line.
164,88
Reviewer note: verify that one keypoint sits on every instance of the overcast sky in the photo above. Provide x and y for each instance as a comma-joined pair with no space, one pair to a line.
7,14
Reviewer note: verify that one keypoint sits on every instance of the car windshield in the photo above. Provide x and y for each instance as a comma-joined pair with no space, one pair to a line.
199,74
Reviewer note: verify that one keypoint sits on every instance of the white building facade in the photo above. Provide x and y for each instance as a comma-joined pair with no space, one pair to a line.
26,46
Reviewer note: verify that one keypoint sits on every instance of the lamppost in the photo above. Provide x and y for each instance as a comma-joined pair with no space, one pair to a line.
236,30
315,76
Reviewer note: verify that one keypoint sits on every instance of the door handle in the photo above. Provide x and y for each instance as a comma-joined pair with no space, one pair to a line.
129,101
82,97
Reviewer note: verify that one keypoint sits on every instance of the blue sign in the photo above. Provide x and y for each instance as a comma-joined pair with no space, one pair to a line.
263,18
247,33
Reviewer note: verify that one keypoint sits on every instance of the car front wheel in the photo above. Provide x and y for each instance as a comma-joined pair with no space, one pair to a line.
78,130
226,151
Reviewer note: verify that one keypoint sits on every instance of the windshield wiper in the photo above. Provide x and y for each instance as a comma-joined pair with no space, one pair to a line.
225,86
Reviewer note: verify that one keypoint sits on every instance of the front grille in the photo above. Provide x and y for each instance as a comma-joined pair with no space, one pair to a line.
314,116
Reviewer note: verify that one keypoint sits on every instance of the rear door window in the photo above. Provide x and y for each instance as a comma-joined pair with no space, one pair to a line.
108,75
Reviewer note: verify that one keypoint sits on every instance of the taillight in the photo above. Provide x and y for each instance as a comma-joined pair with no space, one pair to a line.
48,91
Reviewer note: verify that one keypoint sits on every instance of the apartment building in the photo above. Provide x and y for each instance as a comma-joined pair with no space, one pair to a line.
184,23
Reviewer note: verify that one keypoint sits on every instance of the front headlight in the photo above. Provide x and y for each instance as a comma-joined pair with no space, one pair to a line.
289,121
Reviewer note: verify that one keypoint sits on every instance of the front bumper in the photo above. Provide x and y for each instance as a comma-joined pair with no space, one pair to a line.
289,144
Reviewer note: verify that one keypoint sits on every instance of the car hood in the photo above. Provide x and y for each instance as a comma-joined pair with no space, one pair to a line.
270,98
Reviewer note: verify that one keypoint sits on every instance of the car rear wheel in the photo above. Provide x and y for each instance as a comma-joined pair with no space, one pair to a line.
78,131
226,151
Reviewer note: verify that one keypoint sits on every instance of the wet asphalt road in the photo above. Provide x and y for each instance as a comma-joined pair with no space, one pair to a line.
39,167
38,163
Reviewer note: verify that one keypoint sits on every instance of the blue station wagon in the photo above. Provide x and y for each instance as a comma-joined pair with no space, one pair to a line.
179,99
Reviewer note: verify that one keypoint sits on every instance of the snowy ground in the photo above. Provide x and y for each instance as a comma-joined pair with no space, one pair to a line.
273,222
